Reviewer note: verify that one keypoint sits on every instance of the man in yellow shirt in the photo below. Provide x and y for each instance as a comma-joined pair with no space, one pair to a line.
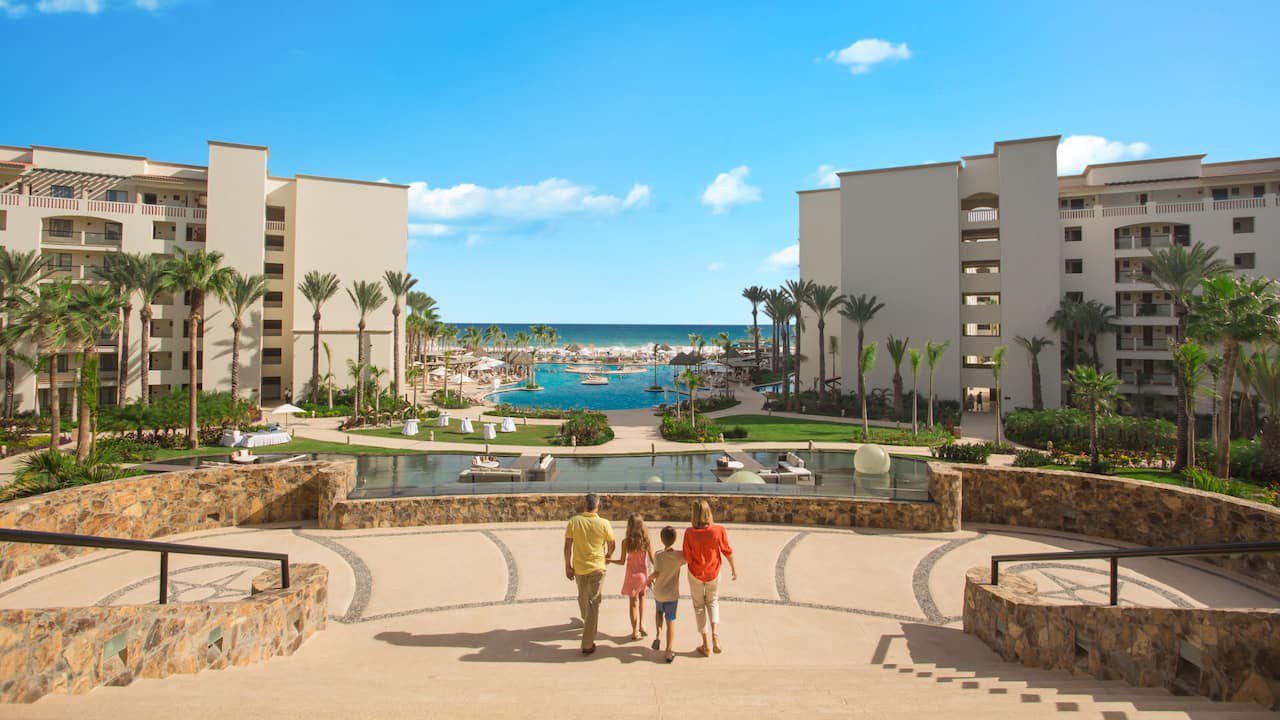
588,541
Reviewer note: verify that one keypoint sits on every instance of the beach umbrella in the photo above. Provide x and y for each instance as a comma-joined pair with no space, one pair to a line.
286,410
573,347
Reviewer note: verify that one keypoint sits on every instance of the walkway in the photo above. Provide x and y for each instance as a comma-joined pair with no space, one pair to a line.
478,621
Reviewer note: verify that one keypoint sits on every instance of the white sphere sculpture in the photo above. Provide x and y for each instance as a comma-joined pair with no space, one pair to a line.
745,477
871,460
653,480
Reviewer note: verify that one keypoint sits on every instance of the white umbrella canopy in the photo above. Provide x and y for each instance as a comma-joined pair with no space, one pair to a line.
459,378
287,409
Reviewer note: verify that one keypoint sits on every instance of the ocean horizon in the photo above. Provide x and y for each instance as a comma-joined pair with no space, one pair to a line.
629,335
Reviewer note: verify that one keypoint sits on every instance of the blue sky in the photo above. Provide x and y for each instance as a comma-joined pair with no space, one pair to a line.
642,158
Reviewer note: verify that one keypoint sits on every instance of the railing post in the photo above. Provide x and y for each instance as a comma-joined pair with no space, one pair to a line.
164,578
284,574
995,571
1115,580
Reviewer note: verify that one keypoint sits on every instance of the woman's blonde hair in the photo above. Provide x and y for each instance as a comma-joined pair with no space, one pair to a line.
702,514
637,538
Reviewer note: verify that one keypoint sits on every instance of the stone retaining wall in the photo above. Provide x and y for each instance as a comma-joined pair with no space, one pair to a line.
941,515
150,506
76,649
1221,654
1132,511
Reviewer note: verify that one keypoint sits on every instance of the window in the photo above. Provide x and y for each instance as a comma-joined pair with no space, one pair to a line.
1075,296
120,196
273,299
107,362
978,236
1142,198
271,388
977,361
980,268
186,329
981,298
148,198
106,394
186,300
275,214
1221,193
1071,203
1259,190
4,219
112,230
272,328
1244,261
982,329
196,233
59,227
274,271
271,356
186,360
1242,225
1073,234
1075,266
62,191
275,242
61,260
64,363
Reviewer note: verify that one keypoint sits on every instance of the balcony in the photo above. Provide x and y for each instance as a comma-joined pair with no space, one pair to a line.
979,217
275,225
1167,208
1248,203
1143,242
83,273
1155,378
1129,277
103,207
80,238
1145,309
1160,344
106,340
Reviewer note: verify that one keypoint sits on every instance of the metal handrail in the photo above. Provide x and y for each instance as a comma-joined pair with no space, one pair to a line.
164,548
1115,555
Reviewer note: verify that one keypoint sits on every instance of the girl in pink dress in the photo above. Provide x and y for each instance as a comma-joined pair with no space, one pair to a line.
637,555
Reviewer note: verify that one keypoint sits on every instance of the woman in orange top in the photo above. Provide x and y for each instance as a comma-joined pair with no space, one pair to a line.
704,545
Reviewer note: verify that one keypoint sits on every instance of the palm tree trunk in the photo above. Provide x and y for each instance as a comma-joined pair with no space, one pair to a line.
122,373
1093,432
915,403
55,423
1230,351
1037,399
999,415
84,436
315,358
931,396
235,359
866,429
1186,404
862,387
1271,448
145,316
10,367
755,327
193,376
822,357
797,396
395,349
359,391
786,361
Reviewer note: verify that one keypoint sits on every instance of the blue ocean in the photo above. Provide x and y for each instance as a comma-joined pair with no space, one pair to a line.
630,336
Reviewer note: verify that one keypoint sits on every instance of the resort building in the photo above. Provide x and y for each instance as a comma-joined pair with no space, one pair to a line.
79,208
981,250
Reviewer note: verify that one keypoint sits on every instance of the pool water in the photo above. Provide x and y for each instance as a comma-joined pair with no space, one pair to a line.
437,474
564,390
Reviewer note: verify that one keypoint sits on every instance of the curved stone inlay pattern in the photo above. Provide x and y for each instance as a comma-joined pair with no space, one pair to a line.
359,570
780,568
221,587
924,570
513,571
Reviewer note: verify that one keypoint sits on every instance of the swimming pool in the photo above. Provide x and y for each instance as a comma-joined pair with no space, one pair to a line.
564,390
389,476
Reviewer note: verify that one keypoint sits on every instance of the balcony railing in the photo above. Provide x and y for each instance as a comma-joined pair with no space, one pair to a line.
1075,213
1126,277
1155,378
169,212
1143,241
80,238
1145,310
1240,203
1137,343
87,273
984,215
1167,207
277,225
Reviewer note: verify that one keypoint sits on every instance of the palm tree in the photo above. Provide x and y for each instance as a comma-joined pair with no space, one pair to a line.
150,278
1178,271
423,307
1096,392
997,369
42,316
861,310
1096,319
367,297
19,272
1033,345
833,349
472,339
199,273
800,290
1066,320
318,288
119,270
897,350
755,295
772,308
91,311
328,371
866,363
1246,414
823,300
691,380
1190,364
239,294
933,353
399,284
412,376
1264,376
1232,310
913,359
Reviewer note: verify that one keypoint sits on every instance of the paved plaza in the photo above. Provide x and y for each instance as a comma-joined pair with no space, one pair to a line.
479,621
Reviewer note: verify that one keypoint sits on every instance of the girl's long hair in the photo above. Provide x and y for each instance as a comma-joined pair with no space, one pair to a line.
637,538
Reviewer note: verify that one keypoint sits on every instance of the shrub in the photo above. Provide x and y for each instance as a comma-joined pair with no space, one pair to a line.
506,410
737,432
47,471
323,409
449,399
1031,458
1098,467
681,430
1068,430
1246,458
127,449
585,427
1204,480
975,453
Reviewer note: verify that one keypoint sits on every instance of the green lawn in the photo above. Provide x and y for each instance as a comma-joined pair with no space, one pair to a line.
1158,476
539,435
300,445
765,428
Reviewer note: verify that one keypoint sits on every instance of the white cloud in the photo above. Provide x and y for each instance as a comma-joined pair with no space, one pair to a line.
473,239
91,7
714,267
428,229
729,189
12,9
16,8
553,197
867,52
827,176
1075,152
785,259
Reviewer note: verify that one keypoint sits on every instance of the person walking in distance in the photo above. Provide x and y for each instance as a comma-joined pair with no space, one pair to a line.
588,542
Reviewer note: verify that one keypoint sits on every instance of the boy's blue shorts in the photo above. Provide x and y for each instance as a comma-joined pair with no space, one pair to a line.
668,609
